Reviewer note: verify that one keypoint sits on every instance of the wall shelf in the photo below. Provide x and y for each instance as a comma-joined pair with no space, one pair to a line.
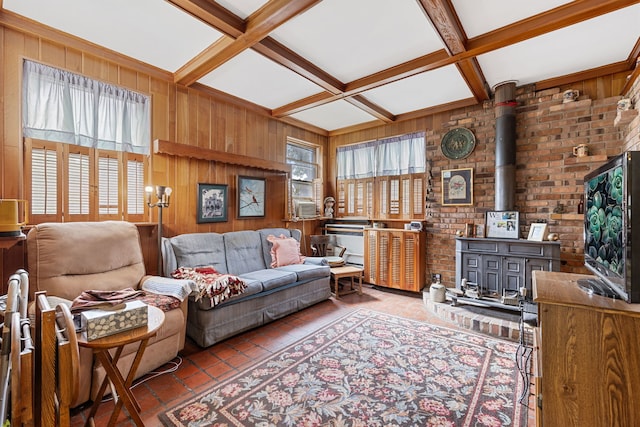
568,216
586,159
183,150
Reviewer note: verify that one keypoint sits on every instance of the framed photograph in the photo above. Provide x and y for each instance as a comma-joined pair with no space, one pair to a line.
251,197
480,231
212,203
538,231
502,224
457,187
468,230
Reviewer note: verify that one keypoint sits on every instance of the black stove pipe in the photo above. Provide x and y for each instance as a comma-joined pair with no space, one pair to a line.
505,175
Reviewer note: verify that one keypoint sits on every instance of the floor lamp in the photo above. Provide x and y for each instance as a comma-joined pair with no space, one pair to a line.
163,195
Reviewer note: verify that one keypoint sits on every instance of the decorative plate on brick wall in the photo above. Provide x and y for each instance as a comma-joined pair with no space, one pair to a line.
458,143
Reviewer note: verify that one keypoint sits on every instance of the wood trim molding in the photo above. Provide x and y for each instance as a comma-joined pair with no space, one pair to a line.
183,150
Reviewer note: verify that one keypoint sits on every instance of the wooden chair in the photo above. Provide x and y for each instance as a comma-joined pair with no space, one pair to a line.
57,362
323,246
17,355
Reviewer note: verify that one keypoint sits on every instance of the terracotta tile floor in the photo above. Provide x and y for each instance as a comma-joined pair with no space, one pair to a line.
203,368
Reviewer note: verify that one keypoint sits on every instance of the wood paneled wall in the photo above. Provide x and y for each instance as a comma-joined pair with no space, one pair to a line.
179,114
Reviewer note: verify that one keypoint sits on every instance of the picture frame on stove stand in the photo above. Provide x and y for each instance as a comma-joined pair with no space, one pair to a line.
502,224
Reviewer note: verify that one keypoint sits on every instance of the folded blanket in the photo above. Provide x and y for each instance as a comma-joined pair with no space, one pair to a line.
217,286
171,287
103,299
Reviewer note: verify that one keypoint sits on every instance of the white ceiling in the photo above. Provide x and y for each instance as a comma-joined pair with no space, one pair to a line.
336,64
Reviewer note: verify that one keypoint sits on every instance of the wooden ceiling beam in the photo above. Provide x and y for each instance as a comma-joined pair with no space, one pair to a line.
213,14
304,104
472,74
371,108
258,26
446,22
291,60
543,23
554,19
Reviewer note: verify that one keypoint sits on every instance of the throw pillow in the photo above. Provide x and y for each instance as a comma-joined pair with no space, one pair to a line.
284,251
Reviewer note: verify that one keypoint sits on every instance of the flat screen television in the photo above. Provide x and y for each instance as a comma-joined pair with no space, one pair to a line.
612,229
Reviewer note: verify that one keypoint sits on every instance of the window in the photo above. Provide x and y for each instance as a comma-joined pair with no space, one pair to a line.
305,174
85,145
70,183
391,168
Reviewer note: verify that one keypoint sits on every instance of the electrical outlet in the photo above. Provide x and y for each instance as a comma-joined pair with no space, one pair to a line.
436,278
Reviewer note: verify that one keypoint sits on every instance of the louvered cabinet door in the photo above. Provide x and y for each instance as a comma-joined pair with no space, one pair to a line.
395,259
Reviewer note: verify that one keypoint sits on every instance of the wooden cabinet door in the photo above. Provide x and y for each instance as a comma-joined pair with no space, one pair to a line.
394,258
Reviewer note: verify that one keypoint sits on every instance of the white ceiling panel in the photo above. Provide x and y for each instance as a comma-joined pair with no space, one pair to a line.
421,91
481,16
335,115
566,51
355,38
151,31
241,8
351,45
255,78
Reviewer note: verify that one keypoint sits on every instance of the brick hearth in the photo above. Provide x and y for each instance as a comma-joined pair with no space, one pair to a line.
496,322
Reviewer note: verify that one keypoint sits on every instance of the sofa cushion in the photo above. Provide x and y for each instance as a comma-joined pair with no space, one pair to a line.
307,271
284,251
243,251
271,278
266,244
200,249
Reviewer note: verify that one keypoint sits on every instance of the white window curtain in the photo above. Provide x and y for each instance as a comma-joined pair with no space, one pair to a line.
65,107
356,161
399,155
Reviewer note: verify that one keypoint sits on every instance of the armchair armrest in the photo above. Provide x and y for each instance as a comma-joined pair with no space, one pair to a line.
178,288
316,260
339,249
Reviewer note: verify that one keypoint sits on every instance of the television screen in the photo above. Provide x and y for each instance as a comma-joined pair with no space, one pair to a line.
610,228
604,232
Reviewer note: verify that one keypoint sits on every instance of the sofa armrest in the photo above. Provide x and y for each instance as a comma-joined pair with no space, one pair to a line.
316,260
177,288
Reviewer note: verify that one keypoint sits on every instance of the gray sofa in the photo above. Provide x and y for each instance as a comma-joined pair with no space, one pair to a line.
271,293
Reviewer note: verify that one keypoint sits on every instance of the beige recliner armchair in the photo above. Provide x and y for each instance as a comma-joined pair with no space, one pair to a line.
65,259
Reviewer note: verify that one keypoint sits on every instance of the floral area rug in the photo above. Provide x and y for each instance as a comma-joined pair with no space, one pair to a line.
369,369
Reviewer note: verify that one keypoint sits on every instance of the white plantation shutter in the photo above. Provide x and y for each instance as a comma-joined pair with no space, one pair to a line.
78,185
108,186
135,187
44,181
406,196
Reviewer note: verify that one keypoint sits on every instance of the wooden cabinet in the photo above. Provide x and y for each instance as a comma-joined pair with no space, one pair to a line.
395,258
587,356
498,265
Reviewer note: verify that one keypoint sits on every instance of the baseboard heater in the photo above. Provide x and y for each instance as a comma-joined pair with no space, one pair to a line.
349,232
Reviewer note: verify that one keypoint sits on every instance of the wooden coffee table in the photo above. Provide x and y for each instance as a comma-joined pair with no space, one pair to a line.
338,273
122,392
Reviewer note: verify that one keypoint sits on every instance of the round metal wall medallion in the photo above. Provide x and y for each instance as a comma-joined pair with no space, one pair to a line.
458,143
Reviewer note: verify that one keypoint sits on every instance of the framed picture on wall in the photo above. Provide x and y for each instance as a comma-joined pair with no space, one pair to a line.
251,197
212,203
457,187
502,224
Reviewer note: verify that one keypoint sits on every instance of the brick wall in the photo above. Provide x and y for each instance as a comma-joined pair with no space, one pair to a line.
548,176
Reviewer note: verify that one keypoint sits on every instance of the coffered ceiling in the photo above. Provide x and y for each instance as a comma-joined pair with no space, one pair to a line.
335,65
